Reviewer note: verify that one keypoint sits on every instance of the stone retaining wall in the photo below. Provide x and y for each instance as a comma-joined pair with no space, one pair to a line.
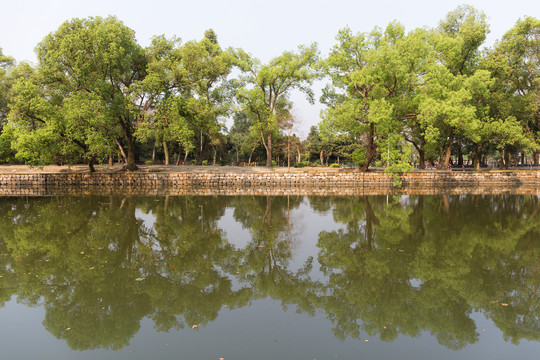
341,182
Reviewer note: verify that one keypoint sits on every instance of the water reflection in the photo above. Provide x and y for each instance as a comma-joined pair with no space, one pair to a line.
398,265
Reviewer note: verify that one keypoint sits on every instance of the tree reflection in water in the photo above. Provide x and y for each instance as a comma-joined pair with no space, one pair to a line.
397,265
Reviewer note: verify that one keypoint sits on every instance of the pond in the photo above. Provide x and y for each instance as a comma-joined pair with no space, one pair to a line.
270,277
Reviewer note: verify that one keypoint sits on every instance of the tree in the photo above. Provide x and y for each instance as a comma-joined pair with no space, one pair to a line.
367,73
94,69
240,136
6,63
264,89
208,94
515,65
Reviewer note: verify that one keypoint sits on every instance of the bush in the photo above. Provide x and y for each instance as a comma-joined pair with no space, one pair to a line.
205,162
300,164
148,162
359,156
334,165
274,163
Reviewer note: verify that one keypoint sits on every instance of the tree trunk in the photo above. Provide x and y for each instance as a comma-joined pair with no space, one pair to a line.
185,157
421,159
269,151
460,153
122,152
448,153
178,157
214,161
299,154
321,155
91,165
166,151
131,166
477,156
154,153
536,158
371,149
288,152
111,160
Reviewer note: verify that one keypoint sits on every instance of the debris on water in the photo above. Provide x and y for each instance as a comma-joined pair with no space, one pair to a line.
140,279
504,304
195,326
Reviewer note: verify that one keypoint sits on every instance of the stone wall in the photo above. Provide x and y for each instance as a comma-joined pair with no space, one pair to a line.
341,182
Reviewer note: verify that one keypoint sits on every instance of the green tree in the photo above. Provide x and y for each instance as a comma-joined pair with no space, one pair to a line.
515,64
6,81
264,89
368,73
93,70
208,92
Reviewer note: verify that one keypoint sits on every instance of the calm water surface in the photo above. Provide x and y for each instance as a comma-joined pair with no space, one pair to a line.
408,277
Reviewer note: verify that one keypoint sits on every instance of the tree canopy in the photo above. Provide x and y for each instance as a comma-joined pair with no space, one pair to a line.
394,98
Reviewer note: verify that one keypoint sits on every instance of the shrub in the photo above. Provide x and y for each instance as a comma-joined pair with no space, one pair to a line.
334,165
274,163
359,156
205,162
300,164
149,162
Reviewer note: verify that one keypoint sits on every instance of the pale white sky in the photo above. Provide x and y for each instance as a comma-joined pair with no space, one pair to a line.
265,28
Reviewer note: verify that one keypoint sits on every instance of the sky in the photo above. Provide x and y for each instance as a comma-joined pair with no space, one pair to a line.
264,28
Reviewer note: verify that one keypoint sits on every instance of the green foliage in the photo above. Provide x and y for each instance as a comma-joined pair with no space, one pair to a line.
95,92
359,156
334,165
264,89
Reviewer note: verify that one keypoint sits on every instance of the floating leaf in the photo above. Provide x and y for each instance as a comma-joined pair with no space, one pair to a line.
140,279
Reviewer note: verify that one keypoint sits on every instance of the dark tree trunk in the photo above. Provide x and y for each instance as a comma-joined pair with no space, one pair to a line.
421,159
460,153
448,153
371,149
131,165
91,165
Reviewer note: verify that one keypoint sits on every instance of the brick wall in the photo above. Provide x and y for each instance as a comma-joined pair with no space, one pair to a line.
295,182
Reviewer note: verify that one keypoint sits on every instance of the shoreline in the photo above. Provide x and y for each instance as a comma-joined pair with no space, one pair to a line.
209,180
211,169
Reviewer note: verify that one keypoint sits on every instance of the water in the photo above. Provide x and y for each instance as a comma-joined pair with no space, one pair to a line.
209,277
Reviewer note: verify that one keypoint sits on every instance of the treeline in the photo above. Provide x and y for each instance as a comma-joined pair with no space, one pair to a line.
394,98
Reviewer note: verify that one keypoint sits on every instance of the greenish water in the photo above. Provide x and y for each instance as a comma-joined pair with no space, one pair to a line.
193,277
